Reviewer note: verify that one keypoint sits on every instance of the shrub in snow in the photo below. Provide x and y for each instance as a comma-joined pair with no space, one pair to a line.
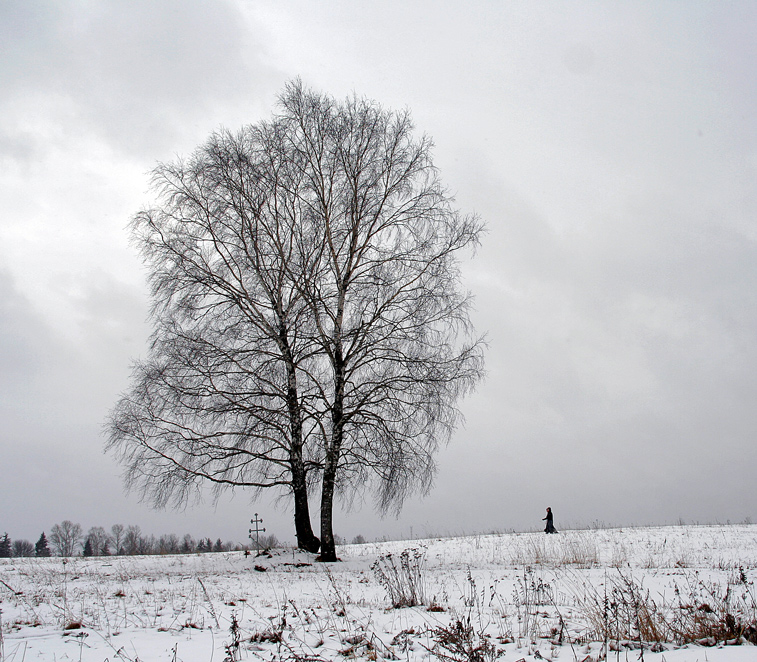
402,577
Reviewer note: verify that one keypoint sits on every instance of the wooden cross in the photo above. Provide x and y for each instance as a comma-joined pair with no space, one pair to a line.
257,530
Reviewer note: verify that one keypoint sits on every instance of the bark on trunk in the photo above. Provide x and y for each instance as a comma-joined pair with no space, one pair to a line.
306,539
328,546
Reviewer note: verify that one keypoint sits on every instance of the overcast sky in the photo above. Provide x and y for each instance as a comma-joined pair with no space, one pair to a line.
610,147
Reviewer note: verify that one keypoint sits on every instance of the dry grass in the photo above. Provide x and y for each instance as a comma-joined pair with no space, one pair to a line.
574,548
623,611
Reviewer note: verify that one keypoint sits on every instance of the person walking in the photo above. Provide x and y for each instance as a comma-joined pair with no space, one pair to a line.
550,528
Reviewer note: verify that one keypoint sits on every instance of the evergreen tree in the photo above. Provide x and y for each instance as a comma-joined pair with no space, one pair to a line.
41,548
88,548
218,546
5,547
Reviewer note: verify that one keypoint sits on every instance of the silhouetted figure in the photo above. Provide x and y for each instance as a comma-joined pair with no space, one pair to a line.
550,526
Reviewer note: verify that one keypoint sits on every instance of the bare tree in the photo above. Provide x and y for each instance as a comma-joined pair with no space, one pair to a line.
132,540
220,400
378,267
168,544
117,537
148,545
309,320
66,538
98,539
22,548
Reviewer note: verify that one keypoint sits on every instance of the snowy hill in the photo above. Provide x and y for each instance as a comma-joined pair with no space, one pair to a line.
681,593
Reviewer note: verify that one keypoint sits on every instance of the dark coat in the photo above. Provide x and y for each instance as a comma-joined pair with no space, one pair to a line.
550,528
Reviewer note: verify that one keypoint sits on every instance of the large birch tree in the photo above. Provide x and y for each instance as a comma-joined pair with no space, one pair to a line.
311,328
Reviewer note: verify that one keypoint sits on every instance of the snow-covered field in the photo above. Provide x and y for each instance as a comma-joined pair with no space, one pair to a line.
577,595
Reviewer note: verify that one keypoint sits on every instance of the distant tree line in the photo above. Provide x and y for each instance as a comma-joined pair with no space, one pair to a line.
68,539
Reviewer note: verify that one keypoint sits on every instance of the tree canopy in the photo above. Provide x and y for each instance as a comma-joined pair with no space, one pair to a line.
309,321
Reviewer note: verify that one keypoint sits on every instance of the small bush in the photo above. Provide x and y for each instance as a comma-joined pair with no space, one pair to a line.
267,542
461,642
402,577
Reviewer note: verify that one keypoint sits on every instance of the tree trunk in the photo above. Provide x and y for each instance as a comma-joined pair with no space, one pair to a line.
306,539
328,546
334,446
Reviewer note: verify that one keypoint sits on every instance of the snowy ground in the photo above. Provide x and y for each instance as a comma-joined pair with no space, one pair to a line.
527,596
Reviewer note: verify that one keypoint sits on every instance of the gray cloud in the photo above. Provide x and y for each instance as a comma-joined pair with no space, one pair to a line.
612,150
23,339
134,73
